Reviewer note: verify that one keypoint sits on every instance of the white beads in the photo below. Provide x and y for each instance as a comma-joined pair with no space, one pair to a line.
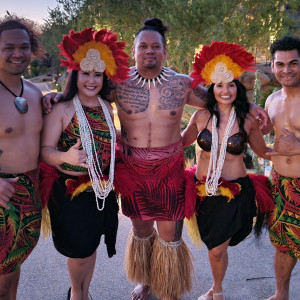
100,186
215,163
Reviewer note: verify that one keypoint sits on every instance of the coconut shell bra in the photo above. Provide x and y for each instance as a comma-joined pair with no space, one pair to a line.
236,144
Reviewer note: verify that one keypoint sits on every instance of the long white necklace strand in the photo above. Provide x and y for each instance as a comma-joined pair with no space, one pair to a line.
164,72
100,187
215,163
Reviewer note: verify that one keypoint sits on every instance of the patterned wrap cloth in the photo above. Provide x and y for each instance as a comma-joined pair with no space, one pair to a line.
101,134
20,224
284,220
151,182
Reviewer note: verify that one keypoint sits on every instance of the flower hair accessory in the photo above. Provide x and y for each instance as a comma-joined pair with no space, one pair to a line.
221,62
92,50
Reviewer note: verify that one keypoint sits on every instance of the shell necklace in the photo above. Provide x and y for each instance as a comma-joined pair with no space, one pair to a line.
100,186
20,102
164,72
215,163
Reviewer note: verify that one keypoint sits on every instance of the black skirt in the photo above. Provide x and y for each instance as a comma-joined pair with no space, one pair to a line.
219,220
77,225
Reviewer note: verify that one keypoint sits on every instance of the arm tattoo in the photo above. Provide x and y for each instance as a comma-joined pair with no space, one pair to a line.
132,99
172,93
200,93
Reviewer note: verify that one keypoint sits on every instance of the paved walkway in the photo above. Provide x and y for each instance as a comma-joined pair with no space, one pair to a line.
250,274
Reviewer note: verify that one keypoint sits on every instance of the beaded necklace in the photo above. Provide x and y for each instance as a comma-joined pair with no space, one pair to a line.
215,163
101,187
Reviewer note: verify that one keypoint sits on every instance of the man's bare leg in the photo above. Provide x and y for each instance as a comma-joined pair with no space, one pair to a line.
9,285
284,265
141,229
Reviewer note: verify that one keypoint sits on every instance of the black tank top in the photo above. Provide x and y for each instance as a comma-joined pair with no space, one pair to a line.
236,144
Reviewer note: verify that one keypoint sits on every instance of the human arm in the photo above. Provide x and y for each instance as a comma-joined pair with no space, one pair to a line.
262,116
190,133
256,140
6,190
48,99
287,144
196,97
52,129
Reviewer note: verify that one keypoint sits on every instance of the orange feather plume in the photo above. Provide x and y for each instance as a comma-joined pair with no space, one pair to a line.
75,46
233,56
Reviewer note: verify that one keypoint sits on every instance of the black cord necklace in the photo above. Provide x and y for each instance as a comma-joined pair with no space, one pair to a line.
20,102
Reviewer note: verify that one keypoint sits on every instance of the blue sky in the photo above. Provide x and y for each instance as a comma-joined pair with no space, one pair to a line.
35,10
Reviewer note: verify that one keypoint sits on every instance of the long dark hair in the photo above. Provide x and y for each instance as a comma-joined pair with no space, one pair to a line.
240,104
71,87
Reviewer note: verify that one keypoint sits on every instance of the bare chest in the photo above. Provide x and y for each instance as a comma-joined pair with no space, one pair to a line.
15,124
165,100
285,115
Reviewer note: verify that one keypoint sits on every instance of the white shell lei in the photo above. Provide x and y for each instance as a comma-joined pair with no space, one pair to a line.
215,163
101,187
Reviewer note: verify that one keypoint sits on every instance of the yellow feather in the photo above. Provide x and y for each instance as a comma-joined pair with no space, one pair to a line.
105,54
193,230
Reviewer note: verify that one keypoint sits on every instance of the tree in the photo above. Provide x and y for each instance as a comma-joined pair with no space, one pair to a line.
252,23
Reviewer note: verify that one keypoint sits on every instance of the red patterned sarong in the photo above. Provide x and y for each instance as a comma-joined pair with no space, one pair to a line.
151,182
20,224
284,220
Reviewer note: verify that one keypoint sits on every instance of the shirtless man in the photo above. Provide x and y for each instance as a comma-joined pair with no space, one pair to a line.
20,127
283,108
150,174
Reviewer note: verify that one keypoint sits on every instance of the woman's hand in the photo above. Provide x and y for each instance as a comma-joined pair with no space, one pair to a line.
75,157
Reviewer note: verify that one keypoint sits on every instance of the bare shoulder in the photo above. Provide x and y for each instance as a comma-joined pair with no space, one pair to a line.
274,97
200,117
251,121
31,88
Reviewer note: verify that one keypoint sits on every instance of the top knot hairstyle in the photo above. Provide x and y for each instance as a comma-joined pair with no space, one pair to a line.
155,24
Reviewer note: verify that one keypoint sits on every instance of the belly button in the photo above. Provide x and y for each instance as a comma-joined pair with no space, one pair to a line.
8,130
288,161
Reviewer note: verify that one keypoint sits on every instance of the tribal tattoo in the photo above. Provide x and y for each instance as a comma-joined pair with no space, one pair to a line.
132,99
200,93
172,93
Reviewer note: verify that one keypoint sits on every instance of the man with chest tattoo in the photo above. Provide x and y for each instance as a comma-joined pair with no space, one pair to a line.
20,127
283,108
150,171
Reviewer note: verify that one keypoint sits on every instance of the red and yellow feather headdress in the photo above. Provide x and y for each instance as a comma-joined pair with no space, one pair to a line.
100,51
221,62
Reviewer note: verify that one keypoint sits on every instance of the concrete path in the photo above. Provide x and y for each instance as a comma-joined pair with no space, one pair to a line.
250,274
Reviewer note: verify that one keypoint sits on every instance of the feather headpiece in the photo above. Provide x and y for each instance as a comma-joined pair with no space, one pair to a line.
221,62
100,51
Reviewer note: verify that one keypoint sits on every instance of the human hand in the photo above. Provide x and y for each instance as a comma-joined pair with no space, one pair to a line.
47,99
76,157
7,190
286,144
259,114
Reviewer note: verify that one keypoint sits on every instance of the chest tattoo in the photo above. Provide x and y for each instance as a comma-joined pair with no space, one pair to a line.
172,94
132,99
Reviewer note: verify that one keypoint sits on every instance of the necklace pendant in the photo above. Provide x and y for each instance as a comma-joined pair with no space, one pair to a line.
21,105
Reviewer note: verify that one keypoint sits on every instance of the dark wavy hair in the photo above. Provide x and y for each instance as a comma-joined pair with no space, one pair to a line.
18,23
240,104
287,43
157,25
71,89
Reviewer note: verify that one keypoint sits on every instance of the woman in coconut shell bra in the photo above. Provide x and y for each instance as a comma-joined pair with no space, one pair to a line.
225,204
